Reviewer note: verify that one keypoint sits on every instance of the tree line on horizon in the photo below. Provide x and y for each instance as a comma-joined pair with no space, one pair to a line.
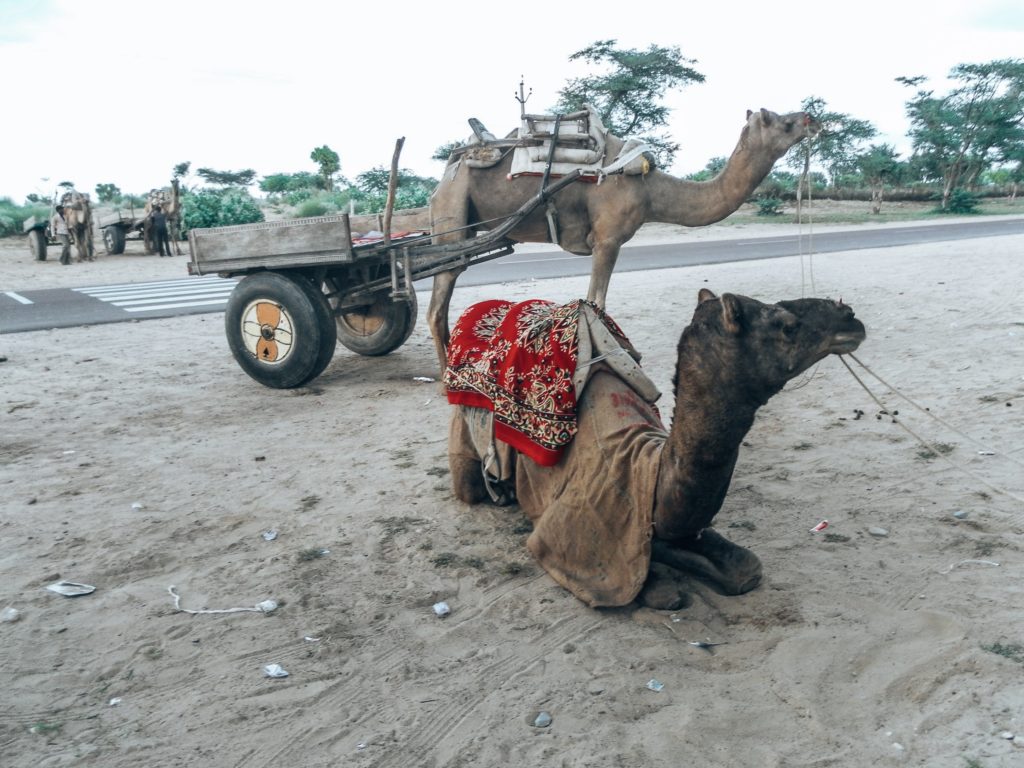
965,143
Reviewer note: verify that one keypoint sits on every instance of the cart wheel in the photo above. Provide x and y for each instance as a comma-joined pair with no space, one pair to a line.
379,328
280,329
113,240
37,244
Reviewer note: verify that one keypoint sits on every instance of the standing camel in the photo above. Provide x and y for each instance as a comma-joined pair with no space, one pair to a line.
596,219
169,200
78,216
625,491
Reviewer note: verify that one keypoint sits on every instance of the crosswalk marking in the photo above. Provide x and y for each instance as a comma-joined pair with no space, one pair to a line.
166,294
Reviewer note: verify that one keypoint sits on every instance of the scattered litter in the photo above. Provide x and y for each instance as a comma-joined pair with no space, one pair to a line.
360,746
970,562
441,609
9,615
274,670
136,505
541,720
986,453
114,701
259,458
309,639
269,535
422,378
67,453
655,685
1008,735
820,526
897,746
960,514
264,607
707,646
71,588
675,618
879,532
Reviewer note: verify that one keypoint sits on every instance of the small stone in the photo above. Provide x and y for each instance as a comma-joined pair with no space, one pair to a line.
960,514
10,615
879,532
541,720
1008,735
441,609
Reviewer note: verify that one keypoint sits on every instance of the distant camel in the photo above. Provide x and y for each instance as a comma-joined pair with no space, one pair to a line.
625,492
598,218
78,216
169,200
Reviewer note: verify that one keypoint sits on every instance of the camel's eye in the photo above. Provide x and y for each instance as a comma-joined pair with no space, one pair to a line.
789,126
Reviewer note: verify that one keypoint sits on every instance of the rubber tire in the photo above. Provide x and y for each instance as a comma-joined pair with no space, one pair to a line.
113,240
382,328
314,335
37,244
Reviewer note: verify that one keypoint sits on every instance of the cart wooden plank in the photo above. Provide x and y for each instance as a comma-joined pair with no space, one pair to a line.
308,242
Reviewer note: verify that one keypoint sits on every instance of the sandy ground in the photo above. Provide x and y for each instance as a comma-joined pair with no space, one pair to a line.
137,456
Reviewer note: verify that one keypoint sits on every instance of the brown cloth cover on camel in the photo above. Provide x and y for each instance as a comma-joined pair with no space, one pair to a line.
592,511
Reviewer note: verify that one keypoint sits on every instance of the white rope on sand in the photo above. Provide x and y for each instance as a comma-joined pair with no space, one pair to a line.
265,607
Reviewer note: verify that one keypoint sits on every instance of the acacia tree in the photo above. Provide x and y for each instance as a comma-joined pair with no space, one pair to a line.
878,165
329,163
107,193
836,147
627,95
960,134
227,178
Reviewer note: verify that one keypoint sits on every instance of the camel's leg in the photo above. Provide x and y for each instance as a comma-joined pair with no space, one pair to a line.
606,253
437,312
663,591
732,568
465,466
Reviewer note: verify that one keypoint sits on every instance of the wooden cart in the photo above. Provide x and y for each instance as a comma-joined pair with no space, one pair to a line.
306,286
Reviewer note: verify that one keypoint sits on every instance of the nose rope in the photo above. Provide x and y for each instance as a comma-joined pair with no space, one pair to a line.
805,178
929,446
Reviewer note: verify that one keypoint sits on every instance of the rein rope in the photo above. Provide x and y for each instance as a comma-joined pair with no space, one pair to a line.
927,445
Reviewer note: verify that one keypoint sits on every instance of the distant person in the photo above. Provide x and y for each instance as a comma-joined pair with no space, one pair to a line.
59,229
161,243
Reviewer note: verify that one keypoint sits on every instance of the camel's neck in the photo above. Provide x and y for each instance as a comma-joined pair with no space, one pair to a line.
713,412
696,203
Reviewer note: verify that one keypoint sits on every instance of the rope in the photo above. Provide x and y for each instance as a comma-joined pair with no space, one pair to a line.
265,607
924,442
805,178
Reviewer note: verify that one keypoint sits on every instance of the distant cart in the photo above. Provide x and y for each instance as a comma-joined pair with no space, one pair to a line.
306,286
119,227
39,236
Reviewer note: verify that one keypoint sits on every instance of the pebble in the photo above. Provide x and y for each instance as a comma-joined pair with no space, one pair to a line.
960,514
441,609
876,531
10,615
541,720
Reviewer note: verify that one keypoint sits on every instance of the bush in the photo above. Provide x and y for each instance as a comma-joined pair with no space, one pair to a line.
311,208
218,208
768,206
13,216
961,201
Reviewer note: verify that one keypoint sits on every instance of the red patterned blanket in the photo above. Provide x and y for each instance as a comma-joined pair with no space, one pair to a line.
520,361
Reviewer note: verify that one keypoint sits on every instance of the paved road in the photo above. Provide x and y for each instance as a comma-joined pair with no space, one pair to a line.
60,308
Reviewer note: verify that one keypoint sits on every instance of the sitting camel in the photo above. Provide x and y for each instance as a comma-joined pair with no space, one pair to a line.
624,491
596,219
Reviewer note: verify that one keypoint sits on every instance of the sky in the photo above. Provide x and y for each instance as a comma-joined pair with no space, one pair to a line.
111,91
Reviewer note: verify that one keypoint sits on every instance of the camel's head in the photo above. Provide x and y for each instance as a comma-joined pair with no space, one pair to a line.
777,133
768,344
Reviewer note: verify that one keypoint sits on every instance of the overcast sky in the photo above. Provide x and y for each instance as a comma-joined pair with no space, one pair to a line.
112,91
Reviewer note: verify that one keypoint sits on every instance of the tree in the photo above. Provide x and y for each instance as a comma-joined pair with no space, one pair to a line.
628,95
413,191
329,163
834,149
713,167
180,171
107,193
442,152
960,134
281,183
218,208
878,165
227,178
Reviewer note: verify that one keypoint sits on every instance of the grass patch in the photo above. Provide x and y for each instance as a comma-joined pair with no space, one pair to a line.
453,560
1011,651
313,553
927,454
399,524
836,538
747,525
306,503
43,727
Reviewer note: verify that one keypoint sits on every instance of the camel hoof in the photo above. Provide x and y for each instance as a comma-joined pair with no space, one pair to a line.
661,592
733,569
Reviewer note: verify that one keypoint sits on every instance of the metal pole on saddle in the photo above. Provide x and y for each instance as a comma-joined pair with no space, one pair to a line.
549,211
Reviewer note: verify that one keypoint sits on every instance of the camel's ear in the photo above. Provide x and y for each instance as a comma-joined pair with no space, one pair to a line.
749,113
766,116
732,313
705,295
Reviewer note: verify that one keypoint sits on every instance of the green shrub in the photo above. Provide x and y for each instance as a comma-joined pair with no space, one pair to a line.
218,208
311,208
13,216
961,201
768,206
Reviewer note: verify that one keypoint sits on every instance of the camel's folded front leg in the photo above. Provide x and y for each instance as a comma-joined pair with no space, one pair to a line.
710,556
437,312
